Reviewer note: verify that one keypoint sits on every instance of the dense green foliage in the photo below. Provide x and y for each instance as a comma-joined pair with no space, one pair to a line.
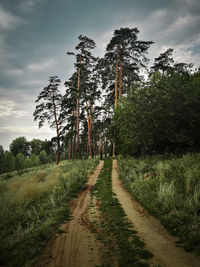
160,117
33,203
120,240
173,195
25,154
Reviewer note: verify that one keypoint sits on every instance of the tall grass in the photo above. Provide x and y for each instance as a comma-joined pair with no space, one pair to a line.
33,203
173,195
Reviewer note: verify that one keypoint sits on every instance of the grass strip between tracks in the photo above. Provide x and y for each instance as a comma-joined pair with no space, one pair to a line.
121,243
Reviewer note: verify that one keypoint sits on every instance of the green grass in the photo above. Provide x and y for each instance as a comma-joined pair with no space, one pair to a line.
120,241
33,204
173,195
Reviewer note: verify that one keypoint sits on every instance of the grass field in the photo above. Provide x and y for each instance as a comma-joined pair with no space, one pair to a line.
170,190
33,202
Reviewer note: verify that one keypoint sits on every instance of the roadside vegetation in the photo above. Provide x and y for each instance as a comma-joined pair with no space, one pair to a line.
170,190
121,243
33,203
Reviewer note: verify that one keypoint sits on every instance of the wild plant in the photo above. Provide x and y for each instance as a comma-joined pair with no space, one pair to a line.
33,203
173,195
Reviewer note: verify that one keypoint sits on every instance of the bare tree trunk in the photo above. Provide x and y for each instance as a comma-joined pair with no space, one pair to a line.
116,76
89,119
120,79
99,147
96,147
57,132
77,113
116,85
105,147
73,137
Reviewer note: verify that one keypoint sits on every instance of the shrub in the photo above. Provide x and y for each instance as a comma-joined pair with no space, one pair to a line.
20,161
43,157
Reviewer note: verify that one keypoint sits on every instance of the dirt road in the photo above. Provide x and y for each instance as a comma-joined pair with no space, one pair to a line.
77,247
157,239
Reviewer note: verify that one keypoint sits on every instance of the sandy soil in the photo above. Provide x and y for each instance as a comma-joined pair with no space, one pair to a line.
157,239
77,247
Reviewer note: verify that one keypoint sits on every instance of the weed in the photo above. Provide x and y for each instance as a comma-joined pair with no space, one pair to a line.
173,196
33,204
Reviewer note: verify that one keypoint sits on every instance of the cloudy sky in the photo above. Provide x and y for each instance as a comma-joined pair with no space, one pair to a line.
35,35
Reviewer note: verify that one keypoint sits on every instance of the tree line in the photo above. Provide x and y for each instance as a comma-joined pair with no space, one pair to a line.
24,154
110,106
82,117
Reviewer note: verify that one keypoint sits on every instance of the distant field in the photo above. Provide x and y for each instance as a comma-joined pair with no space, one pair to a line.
33,202
170,190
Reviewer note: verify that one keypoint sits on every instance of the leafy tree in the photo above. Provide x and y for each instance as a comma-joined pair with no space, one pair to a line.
7,162
20,145
36,145
1,158
28,163
1,150
161,117
35,160
20,161
49,109
43,157
47,146
52,156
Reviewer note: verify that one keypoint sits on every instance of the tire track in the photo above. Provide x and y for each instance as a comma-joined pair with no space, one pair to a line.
77,246
158,240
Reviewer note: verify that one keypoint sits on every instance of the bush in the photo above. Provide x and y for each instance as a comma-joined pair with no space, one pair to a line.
20,161
43,157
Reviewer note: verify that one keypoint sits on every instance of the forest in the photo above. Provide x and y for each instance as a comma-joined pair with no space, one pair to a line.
115,105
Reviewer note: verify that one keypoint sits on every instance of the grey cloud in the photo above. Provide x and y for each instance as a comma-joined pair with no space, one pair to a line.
8,20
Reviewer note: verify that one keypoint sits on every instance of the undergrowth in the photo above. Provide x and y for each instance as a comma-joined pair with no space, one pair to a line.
171,192
33,203
120,240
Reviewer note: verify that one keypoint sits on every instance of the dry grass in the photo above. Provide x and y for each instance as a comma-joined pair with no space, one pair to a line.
32,185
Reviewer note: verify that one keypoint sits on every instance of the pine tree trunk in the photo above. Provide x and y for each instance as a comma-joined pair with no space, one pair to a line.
73,138
120,79
89,120
96,147
116,85
57,132
77,114
105,147
116,76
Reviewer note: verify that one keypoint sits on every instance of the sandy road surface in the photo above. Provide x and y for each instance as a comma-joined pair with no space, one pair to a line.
77,247
157,239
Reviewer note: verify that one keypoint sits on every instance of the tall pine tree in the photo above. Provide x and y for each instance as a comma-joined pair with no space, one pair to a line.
49,109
